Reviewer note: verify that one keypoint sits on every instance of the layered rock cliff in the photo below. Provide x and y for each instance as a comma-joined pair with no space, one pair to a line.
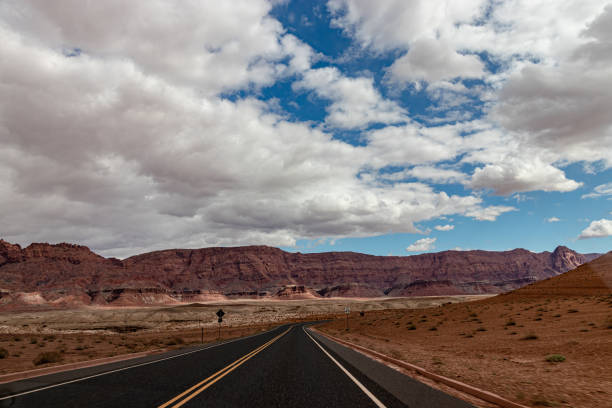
70,275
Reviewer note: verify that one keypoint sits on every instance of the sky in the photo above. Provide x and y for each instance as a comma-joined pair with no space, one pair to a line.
393,127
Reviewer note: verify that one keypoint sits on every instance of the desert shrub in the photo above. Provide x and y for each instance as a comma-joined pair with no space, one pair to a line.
572,311
49,337
16,338
3,353
541,402
510,323
411,327
33,340
174,341
481,329
47,357
433,328
530,336
555,358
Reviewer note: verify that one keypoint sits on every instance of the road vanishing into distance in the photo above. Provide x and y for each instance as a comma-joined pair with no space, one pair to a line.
289,366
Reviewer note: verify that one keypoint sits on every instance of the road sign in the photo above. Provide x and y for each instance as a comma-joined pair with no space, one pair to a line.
220,314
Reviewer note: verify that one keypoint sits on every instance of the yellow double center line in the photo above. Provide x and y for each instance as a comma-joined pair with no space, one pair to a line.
204,384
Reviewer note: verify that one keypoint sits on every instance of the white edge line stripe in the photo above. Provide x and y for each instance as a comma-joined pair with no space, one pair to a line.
356,381
125,368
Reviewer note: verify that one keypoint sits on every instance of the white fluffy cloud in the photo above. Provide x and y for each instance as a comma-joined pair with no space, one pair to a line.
549,100
198,43
355,101
553,219
515,175
428,173
432,60
423,244
127,144
447,227
597,229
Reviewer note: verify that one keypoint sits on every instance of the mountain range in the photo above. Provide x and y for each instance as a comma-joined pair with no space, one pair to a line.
68,275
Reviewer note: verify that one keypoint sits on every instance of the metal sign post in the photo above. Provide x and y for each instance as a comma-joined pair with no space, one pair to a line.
202,330
347,310
220,314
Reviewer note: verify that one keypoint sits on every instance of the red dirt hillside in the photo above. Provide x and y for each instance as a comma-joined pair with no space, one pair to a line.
591,279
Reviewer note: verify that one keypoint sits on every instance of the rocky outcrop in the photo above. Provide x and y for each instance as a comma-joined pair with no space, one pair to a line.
66,274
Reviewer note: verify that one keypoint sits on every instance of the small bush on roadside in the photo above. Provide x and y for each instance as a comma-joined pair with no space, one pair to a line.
174,341
3,353
47,357
530,336
411,327
541,402
510,323
555,358
33,340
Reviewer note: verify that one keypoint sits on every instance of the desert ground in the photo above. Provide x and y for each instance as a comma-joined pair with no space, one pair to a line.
537,350
68,336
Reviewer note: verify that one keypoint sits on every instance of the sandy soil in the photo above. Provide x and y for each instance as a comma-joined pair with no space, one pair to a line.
503,346
90,333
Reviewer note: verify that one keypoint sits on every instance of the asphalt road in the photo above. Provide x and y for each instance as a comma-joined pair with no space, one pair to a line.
285,367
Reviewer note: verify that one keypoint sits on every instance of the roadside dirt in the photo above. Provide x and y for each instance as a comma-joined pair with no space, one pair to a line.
502,345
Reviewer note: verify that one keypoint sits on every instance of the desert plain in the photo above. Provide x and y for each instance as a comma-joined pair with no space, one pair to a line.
97,332
547,344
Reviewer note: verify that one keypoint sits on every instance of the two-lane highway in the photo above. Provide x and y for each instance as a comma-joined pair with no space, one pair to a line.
285,367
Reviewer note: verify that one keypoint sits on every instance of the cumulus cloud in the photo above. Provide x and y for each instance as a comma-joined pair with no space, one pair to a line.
198,43
431,60
355,101
514,175
432,174
597,229
117,128
599,191
423,244
446,227
553,219
549,99
489,213
104,143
